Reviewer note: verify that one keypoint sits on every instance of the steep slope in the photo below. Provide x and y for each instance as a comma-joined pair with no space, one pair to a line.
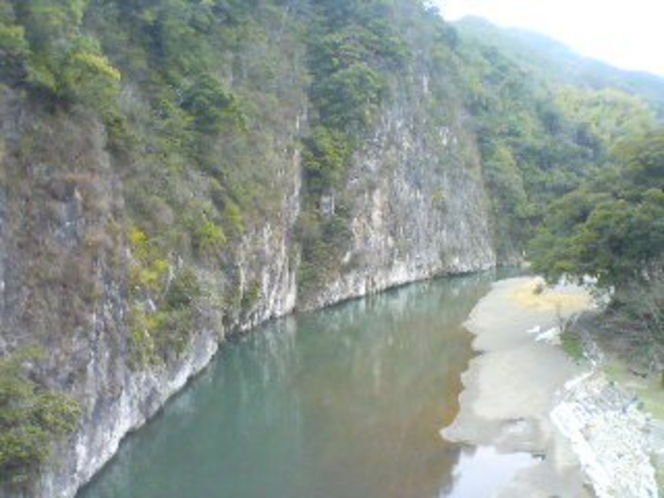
540,135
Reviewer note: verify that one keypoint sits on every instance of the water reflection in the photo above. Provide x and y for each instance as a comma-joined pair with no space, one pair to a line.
481,471
345,402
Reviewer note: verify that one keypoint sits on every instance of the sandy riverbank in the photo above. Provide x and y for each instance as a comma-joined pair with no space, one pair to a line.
523,393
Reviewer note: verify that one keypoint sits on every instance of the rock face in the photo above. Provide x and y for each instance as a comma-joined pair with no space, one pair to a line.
418,207
418,210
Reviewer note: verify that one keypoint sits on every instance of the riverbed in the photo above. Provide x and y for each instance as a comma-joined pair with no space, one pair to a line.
511,388
523,393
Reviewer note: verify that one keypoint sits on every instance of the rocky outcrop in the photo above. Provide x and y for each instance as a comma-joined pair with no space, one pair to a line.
609,434
417,200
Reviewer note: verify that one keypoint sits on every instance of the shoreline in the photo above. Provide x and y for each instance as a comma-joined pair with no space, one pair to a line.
524,393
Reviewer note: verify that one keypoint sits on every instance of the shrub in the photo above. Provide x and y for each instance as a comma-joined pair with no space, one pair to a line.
183,290
32,418
324,159
211,106
208,238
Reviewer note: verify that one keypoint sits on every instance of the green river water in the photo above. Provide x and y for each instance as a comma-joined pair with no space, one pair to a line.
343,402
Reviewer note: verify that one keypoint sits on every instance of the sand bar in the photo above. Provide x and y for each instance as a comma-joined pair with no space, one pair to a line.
519,379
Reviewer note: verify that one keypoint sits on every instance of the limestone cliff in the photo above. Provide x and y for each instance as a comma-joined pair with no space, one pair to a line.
415,215
418,205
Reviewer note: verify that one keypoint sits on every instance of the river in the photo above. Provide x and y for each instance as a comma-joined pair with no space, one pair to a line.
344,402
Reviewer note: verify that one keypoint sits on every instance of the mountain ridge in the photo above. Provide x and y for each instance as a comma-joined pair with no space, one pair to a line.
550,58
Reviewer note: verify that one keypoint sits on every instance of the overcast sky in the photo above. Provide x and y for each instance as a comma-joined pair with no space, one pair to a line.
625,33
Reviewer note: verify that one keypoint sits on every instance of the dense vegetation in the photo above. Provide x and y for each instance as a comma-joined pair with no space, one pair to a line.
549,60
539,139
580,170
31,416
198,100
612,228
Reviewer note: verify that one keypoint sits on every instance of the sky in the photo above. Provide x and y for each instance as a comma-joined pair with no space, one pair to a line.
625,33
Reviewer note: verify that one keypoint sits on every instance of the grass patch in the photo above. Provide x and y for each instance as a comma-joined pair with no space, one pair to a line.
616,371
572,345
653,401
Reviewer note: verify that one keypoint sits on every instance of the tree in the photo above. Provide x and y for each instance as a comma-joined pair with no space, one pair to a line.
86,76
613,229
210,105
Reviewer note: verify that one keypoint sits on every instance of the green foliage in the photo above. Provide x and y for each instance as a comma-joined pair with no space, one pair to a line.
210,105
375,41
159,336
325,157
233,216
538,140
59,60
183,290
605,116
14,46
86,76
13,50
160,331
546,59
173,128
162,316
12,41
349,99
208,238
41,77
613,229
572,345
323,241
149,272
354,50
32,419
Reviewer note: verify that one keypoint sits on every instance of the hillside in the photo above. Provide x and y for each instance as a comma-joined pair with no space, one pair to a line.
550,60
